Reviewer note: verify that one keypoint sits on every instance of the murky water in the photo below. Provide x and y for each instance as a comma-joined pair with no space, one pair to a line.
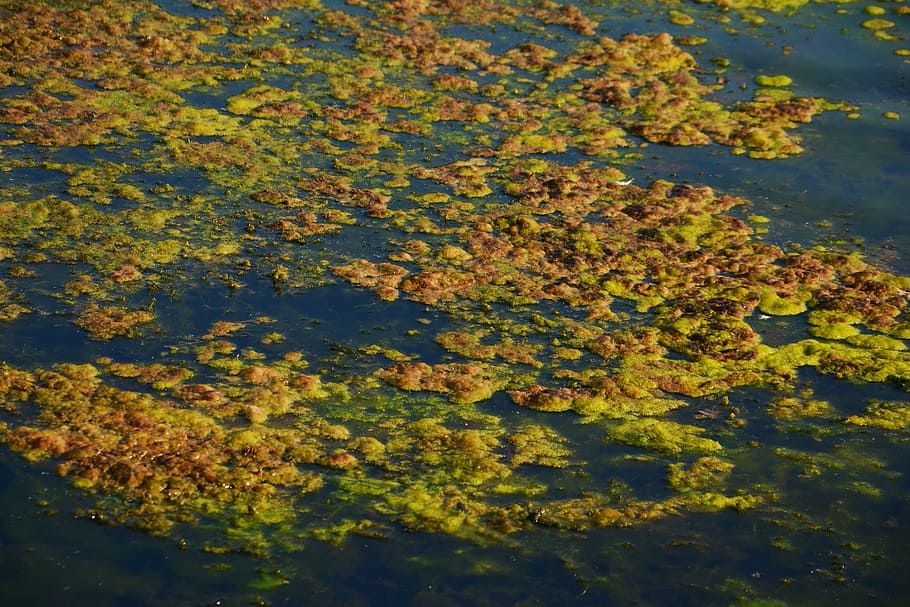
177,208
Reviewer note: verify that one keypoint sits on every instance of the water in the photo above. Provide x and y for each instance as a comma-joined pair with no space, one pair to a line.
829,528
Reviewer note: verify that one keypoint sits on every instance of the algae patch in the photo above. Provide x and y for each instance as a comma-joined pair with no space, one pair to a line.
478,198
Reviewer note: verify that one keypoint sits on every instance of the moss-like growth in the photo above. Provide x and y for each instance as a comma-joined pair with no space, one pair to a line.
795,407
661,436
464,383
778,81
703,473
877,24
111,321
556,278
539,445
881,414
839,330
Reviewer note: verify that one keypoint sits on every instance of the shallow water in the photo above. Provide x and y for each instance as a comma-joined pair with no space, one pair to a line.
831,528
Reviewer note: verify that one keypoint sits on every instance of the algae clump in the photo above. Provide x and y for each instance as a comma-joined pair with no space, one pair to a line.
662,436
885,415
775,81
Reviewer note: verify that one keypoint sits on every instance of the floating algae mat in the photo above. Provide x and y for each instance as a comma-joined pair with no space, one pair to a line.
357,301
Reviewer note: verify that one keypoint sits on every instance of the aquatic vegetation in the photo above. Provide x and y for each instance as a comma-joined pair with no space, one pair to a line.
704,472
776,81
877,24
192,177
671,106
109,321
469,346
890,416
464,382
539,446
663,436
789,407
383,278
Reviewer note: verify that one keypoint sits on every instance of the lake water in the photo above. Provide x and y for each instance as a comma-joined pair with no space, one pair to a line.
340,303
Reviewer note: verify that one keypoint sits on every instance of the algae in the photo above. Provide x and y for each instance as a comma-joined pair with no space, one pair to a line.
482,191
664,437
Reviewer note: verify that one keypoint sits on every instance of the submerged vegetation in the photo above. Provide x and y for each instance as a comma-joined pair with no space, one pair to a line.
157,158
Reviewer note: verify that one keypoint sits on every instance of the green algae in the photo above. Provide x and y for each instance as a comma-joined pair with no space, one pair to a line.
470,346
838,330
463,382
775,81
885,415
539,446
797,407
110,321
566,286
681,18
704,472
877,24
661,436
775,305
876,342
